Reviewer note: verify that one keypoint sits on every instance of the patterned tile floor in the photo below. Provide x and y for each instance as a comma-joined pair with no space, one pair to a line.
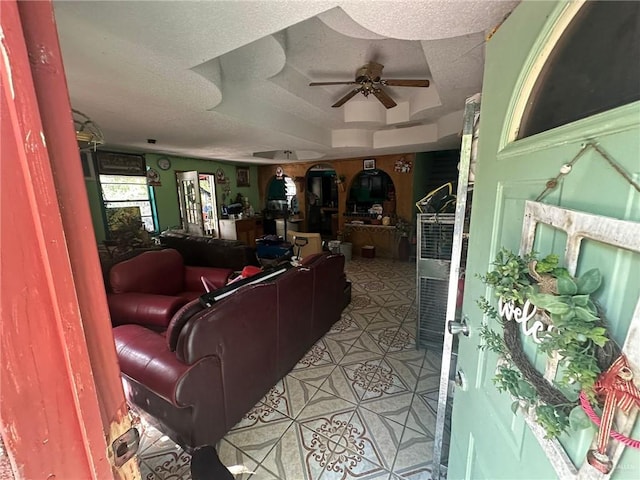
361,403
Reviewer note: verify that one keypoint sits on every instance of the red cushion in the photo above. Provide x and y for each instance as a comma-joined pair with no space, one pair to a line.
160,272
154,311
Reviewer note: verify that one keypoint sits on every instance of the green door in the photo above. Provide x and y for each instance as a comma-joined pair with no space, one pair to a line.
488,441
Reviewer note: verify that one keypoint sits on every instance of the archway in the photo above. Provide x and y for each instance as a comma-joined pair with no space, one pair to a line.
372,196
282,202
322,200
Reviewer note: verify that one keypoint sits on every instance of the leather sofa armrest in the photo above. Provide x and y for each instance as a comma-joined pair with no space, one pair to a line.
148,309
241,331
216,276
187,399
247,317
144,356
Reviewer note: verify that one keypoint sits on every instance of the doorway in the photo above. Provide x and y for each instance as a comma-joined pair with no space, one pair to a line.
322,200
197,199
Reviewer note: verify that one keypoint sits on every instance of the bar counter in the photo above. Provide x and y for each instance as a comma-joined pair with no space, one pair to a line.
383,237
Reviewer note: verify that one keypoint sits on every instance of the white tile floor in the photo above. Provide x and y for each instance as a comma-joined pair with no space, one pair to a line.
360,404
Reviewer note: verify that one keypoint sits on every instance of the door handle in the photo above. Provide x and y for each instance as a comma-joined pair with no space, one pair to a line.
456,328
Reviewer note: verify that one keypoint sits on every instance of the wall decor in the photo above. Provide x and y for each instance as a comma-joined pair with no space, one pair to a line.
153,178
584,365
220,176
242,177
113,163
403,165
369,164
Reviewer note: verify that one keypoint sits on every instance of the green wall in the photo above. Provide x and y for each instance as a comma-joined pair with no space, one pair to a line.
167,194
95,206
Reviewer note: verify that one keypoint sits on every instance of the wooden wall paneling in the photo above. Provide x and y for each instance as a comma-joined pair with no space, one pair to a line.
349,167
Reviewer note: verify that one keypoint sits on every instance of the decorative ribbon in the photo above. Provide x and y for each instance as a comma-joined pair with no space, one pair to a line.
617,387
586,406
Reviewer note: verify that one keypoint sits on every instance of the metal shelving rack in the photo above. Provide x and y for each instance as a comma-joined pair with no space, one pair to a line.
434,241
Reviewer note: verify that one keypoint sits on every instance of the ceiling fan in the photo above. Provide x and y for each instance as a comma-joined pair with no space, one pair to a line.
369,81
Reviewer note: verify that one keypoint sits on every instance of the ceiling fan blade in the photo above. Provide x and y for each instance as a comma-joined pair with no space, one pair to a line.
346,98
405,83
385,99
315,84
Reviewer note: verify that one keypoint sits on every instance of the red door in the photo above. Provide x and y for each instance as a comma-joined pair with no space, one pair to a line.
62,402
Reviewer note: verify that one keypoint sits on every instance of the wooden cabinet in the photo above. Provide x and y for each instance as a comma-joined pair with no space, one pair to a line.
246,230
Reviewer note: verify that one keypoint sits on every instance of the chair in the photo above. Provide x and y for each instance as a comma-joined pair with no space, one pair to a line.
149,288
313,245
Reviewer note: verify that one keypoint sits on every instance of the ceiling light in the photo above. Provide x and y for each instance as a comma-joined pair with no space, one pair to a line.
287,155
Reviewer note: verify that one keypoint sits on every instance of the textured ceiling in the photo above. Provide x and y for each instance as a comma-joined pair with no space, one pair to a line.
229,79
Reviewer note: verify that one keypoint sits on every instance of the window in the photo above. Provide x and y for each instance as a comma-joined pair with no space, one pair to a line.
290,189
280,193
128,192
593,68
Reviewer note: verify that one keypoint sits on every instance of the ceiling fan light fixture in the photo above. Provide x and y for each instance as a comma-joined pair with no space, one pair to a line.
369,80
362,74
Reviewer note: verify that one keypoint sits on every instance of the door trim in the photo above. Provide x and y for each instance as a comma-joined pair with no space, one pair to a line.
612,121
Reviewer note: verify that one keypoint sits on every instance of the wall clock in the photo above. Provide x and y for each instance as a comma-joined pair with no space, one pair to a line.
164,163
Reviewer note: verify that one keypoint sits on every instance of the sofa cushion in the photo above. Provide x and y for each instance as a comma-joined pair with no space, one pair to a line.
217,277
159,272
154,311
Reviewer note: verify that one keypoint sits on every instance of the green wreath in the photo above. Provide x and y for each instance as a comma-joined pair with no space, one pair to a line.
575,329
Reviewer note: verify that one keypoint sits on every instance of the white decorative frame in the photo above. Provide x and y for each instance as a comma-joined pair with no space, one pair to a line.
369,164
617,233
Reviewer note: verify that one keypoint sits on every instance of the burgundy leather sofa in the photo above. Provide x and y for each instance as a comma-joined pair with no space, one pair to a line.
212,365
150,288
210,252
